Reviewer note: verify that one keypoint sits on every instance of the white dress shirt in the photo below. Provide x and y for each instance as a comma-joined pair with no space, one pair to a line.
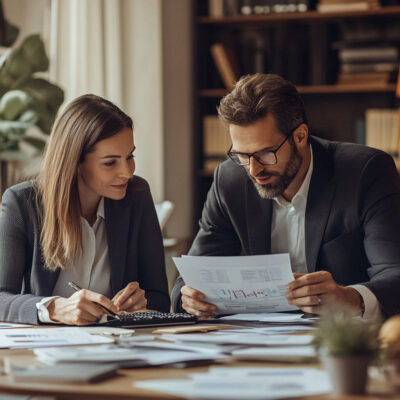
92,268
288,236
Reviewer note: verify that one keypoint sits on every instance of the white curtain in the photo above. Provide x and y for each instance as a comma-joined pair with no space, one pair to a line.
112,48
85,47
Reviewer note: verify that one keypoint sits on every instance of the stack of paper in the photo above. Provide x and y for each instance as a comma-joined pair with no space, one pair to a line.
272,318
245,383
243,339
146,353
47,337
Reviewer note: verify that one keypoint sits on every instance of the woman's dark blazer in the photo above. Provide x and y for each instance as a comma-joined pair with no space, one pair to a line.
134,244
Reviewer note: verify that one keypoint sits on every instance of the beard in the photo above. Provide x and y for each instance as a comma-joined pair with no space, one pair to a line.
271,190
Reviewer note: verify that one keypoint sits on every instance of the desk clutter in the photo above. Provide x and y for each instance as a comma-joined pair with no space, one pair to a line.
81,355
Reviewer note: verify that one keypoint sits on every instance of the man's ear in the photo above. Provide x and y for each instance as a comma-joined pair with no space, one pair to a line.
300,135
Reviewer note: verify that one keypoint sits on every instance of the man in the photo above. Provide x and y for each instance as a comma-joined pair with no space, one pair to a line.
335,207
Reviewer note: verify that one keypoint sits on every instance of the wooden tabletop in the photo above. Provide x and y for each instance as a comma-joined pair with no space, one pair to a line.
121,387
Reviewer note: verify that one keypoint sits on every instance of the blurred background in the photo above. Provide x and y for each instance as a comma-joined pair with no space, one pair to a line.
167,63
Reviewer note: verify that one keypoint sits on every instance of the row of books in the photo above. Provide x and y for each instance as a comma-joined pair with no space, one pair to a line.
372,63
220,8
216,142
382,130
326,6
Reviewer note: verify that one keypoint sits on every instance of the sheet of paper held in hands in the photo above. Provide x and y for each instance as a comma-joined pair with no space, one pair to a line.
244,284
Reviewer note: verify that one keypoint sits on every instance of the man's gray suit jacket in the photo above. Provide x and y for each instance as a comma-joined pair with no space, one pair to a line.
352,222
134,243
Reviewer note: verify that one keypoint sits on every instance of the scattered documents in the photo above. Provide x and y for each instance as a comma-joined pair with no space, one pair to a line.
244,339
47,337
64,373
244,284
279,354
192,328
272,318
273,330
245,383
122,355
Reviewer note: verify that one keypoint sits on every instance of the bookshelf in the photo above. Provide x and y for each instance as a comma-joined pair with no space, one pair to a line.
332,108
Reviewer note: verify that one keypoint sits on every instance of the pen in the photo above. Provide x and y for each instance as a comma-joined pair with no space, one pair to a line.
74,286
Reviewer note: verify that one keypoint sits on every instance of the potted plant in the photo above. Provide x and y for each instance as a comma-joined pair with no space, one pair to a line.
346,345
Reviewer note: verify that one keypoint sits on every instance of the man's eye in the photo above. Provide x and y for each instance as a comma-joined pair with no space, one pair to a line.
109,164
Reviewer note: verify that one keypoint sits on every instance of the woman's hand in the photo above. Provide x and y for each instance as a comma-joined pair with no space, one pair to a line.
82,308
130,299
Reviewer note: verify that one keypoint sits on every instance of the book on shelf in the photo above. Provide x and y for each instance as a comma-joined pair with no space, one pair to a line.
226,64
369,67
389,54
216,8
326,6
216,142
383,130
345,78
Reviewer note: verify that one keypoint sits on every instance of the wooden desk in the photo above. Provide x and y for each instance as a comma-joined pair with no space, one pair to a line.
121,386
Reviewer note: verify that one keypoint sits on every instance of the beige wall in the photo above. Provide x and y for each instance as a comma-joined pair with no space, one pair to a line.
178,108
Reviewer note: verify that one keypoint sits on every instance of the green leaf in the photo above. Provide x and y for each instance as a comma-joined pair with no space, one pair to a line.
37,143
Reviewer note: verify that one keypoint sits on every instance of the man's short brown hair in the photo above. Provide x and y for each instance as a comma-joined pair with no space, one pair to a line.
255,96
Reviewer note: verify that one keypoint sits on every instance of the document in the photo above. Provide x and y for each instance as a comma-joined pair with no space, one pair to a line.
6,325
244,284
279,354
116,354
272,318
245,383
244,339
47,337
273,330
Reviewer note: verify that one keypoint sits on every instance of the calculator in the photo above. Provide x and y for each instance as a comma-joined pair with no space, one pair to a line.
150,318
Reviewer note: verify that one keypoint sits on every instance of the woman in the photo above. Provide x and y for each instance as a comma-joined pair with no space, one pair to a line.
85,220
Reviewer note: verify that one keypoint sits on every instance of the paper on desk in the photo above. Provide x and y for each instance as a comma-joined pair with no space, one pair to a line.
47,337
280,354
6,325
273,383
113,353
273,318
273,330
246,339
245,284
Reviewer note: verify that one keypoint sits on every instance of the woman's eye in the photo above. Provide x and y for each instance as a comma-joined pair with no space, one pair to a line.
131,157
109,164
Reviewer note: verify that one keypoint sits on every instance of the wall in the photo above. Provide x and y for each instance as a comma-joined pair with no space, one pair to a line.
178,110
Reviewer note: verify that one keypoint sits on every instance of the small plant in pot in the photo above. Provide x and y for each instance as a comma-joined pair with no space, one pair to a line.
346,345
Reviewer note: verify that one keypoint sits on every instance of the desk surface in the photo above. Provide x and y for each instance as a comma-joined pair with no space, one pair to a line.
121,386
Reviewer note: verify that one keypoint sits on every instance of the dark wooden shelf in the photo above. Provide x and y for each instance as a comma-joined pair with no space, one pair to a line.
309,16
319,89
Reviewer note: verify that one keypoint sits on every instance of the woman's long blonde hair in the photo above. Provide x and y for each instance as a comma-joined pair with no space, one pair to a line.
84,122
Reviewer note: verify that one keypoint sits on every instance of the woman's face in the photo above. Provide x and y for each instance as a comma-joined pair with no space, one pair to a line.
107,169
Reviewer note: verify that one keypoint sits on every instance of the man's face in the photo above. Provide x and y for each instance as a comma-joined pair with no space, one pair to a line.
269,180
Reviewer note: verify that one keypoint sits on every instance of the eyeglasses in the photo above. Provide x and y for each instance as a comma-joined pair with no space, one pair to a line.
264,157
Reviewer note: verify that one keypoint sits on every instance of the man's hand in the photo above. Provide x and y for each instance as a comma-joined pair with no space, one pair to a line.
82,308
130,299
311,291
192,302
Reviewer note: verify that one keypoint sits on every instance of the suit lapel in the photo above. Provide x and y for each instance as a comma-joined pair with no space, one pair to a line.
319,202
258,217
117,216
